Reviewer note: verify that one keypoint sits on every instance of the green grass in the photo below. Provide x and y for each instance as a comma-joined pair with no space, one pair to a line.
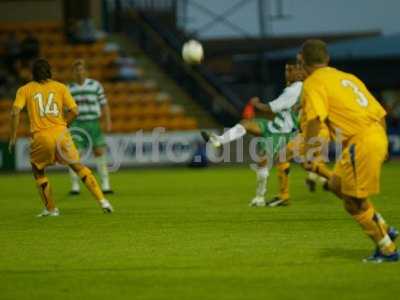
189,234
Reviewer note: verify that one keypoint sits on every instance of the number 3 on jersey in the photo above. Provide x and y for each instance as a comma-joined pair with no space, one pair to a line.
49,108
361,99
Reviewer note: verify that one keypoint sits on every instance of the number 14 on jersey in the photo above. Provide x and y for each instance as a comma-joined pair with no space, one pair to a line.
48,108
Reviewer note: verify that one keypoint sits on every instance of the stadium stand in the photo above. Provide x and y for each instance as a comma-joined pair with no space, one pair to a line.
135,104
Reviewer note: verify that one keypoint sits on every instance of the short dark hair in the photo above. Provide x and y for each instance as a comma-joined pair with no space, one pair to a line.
41,70
315,52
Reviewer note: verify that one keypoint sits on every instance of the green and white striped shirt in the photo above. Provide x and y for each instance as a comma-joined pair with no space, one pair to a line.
89,97
286,120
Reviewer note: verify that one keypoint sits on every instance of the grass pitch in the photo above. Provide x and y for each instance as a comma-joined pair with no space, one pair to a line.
189,234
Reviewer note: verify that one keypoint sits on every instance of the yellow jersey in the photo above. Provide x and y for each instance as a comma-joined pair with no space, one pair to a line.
341,100
45,103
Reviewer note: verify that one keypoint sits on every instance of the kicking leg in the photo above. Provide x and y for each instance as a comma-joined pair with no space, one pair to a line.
234,133
90,182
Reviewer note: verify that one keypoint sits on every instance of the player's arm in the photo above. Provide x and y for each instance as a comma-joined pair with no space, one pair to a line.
19,104
106,113
105,108
262,107
288,99
15,113
315,108
70,108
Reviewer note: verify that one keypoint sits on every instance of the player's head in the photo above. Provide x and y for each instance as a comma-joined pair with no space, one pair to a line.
41,70
293,71
79,70
314,54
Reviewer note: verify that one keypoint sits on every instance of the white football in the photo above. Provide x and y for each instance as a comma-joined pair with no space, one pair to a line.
192,52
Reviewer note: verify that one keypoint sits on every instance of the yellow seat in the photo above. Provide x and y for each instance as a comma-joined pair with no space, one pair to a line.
176,123
163,110
189,123
5,105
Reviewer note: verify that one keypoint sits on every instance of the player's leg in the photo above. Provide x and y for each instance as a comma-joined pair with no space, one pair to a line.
355,178
67,154
81,142
100,154
90,182
252,127
45,192
102,169
283,169
75,186
283,146
283,179
234,133
311,181
319,172
371,222
262,173
42,153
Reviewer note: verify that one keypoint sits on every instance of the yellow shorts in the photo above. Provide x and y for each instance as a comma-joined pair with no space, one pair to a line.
51,146
360,166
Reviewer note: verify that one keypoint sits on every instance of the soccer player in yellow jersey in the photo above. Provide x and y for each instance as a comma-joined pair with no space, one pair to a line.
51,108
342,102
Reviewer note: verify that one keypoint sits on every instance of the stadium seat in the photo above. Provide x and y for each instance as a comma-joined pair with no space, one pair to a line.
176,123
149,110
161,122
163,110
5,105
4,132
134,105
148,124
189,123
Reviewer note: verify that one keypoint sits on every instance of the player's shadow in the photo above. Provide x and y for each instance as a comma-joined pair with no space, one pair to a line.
345,253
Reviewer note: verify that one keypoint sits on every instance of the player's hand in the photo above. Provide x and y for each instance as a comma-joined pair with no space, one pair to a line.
254,101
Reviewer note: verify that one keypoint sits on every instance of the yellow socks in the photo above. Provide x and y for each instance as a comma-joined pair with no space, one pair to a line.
91,183
283,177
376,228
45,193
